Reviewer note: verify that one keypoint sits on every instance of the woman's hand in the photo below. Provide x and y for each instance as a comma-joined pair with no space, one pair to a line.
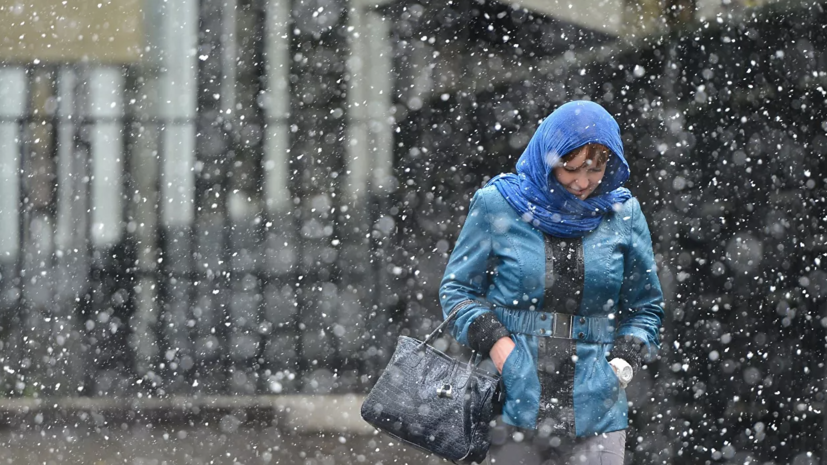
501,350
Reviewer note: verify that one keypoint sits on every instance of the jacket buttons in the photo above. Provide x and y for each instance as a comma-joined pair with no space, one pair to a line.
581,335
543,316
582,320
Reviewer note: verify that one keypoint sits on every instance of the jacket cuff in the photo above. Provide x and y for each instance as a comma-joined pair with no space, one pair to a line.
631,349
485,331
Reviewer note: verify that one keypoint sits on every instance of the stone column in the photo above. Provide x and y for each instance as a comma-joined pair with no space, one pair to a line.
367,228
281,242
176,112
13,91
13,95
109,306
72,259
106,88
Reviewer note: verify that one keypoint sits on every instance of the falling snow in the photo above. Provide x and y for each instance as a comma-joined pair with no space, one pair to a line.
217,216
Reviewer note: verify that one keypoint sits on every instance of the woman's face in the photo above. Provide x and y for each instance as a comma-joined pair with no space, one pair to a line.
579,175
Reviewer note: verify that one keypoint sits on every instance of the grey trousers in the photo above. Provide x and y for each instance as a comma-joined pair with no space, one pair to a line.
512,446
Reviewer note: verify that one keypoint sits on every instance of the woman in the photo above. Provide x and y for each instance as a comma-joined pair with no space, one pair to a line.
554,277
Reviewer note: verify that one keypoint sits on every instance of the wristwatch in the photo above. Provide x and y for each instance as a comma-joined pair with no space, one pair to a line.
623,371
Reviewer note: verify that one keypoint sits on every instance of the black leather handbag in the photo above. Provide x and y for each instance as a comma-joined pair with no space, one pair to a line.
434,402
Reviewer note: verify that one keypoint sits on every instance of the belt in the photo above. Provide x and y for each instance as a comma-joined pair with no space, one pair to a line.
557,325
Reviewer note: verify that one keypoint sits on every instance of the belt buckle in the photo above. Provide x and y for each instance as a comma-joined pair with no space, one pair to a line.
563,326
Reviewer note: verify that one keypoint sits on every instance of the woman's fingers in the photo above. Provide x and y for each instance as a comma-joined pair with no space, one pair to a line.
500,352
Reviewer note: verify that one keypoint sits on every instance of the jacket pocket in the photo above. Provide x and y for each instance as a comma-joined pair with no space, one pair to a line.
509,368
610,375
599,403
522,388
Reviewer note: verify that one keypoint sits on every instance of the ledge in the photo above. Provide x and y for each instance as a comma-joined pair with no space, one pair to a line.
298,413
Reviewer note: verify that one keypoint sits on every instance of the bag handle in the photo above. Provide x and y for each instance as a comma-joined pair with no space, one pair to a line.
476,357
457,308
442,325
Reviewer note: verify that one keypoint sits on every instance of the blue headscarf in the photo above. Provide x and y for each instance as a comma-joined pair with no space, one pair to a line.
535,192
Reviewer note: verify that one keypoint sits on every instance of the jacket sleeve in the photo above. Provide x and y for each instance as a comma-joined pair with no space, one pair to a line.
465,282
641,297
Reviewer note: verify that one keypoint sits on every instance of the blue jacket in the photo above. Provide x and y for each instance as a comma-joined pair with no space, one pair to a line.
507,277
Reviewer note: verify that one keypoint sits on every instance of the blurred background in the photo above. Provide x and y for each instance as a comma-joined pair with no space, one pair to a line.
216,216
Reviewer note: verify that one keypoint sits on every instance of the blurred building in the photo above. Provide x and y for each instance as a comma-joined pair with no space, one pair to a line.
256,197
